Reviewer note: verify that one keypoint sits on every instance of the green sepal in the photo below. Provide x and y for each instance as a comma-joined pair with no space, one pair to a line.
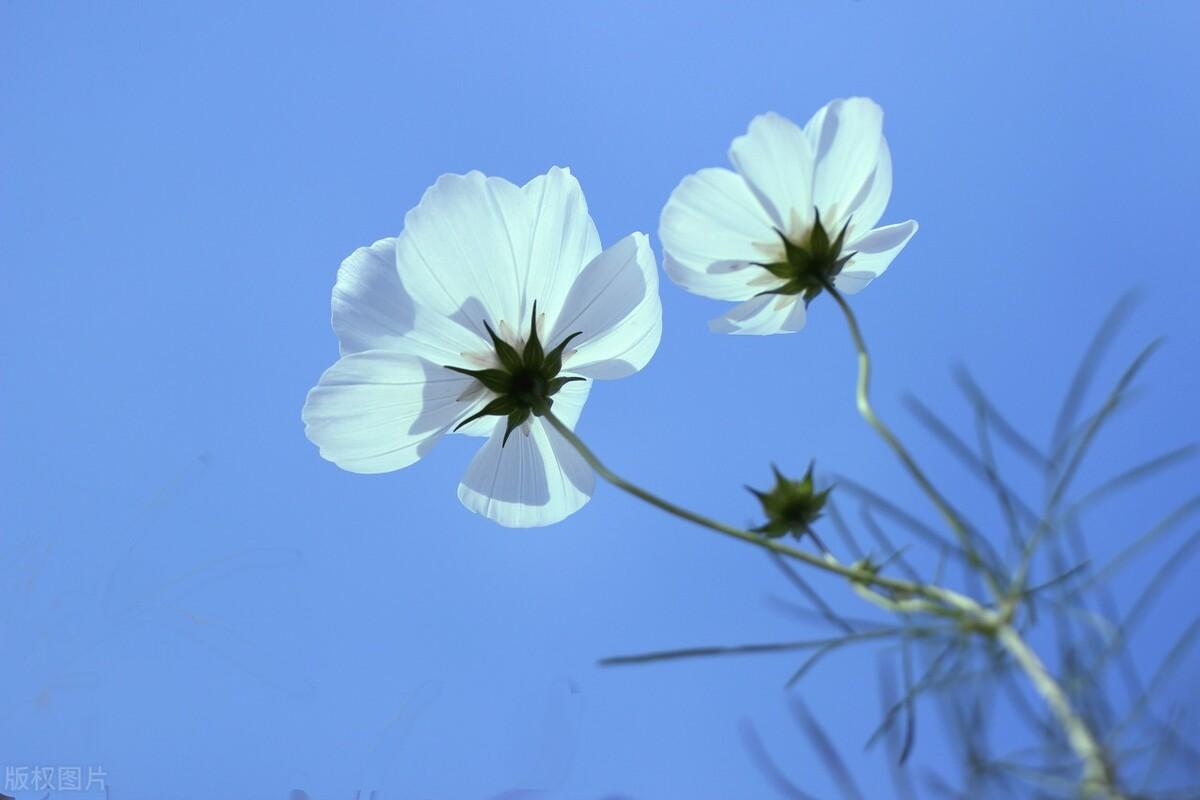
553,363
524,383
496,380
818,242
510,359
780,269
498,407
533,355
807,268
558,383
514,421
795,286
841,238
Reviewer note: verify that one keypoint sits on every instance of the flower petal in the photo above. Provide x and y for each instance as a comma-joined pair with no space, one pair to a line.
378,410
370,307
614,303
373,311
776,159
872,255
712,221
476,249
455,254
762,316
562,241
845,136
873,198
536,479
482,249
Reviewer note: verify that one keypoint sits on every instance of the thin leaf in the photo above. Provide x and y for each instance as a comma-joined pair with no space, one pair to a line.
829,754
1135,475
843,530
886,544
915,526
815,598
1142,542
737,650
960,450
767,766
983,406
1092,357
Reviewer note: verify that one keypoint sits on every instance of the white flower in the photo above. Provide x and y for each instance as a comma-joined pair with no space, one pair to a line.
800,210
415,316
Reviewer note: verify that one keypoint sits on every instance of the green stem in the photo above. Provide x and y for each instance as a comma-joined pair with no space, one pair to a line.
862,396
1098,780
827,563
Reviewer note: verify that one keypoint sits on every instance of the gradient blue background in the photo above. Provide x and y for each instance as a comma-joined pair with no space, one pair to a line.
193,599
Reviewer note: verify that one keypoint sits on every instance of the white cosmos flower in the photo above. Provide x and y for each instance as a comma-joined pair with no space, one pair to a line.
415,314
753,235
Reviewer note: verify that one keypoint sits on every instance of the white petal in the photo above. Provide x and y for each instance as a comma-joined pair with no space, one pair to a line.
378,410
536,479
845,136
873,253
776,159
614,303
456,254
479,248
762,316
372,310
563,240
711,222
370,307
873,198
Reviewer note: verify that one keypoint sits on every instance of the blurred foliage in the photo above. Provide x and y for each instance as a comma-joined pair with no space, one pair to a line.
1063,599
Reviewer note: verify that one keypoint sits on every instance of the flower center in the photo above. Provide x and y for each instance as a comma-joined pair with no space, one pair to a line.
524,383
528,387
809,267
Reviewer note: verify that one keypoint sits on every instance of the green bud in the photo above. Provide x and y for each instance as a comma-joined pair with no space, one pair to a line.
791,507
866,565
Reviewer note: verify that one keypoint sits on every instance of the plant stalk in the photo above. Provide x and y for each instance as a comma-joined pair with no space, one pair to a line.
867,411
1098,778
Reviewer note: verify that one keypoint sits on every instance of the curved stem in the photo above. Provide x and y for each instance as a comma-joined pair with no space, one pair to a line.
827,563
863,399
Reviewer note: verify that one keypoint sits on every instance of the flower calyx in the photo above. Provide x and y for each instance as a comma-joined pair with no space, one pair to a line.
524,383
790,506
810,267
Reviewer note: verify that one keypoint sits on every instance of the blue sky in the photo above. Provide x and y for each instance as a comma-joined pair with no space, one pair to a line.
197,602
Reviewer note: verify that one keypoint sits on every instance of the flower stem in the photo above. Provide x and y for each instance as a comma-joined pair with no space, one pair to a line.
1098,779
827,563
862,396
